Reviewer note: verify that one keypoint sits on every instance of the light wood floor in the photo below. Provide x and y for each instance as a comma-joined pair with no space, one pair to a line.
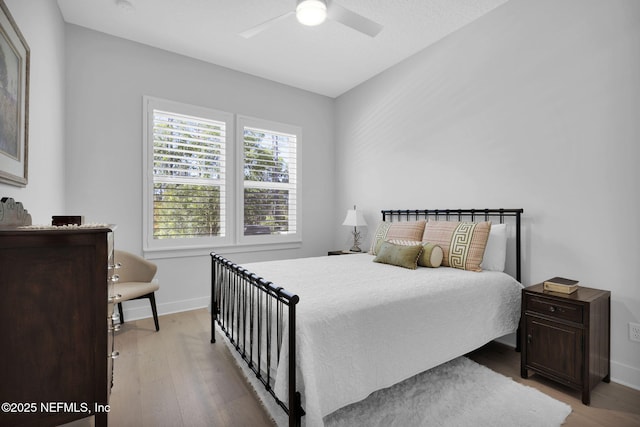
612,404
176,377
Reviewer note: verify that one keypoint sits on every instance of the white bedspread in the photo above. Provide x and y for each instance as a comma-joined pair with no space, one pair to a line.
363,326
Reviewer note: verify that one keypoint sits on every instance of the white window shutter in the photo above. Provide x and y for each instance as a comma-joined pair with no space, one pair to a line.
270,180
189,172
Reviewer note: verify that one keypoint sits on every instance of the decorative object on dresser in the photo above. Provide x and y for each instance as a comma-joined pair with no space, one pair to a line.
67,220
58,335
355,219
135,281
565,337
13,214
410,307
560,284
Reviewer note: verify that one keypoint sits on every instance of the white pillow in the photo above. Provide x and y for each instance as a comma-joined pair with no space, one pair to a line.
495,253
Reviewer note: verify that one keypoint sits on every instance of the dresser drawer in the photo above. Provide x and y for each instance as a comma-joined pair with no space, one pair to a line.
554,308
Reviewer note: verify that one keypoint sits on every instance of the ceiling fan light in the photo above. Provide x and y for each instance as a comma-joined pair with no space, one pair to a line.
311,12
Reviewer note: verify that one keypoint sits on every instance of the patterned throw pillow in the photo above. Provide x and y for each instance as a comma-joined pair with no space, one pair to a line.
406,230
462,243
431,255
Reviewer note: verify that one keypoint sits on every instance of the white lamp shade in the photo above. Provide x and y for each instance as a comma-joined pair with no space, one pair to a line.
354,218
311,12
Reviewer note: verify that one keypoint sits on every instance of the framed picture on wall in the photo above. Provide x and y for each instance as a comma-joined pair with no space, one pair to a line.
14,101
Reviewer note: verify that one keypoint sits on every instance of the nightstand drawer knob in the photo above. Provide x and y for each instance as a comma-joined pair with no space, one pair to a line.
552,309
114,354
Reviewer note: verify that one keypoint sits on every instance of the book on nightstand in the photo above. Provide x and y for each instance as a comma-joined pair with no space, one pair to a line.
560,284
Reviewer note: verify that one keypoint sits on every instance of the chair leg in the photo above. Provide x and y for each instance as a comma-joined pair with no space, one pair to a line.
120,312
152,300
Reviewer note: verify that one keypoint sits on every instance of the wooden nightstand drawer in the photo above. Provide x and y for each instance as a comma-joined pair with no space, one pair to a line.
554,308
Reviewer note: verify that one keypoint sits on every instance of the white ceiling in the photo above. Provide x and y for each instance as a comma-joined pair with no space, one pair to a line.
328,59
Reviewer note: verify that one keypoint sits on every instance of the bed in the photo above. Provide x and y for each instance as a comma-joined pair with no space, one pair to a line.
325,332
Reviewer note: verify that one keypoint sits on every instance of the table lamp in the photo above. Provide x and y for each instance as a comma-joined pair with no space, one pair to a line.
354,219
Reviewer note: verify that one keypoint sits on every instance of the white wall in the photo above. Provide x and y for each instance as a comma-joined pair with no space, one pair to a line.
535,106
42,26
545,92
106,80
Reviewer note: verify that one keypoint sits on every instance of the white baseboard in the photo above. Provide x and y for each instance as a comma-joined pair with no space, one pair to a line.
144,311
509,340
619,370
630,374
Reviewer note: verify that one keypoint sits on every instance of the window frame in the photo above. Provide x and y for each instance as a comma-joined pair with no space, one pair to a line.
149,243
234,240
243,121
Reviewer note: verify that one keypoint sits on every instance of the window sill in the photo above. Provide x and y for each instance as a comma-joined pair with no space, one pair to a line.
191,251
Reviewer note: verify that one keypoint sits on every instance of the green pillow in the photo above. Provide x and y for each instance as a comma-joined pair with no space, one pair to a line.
399,255
431,255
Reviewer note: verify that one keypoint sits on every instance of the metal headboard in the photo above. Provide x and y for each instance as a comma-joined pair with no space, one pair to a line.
463,215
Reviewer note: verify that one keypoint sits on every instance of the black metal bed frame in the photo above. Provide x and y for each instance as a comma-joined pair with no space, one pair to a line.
240,296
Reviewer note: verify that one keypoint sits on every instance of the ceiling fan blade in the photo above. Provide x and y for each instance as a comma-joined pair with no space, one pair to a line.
266,24
353,20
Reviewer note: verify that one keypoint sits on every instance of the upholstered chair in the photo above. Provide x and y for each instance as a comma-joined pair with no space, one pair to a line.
135,281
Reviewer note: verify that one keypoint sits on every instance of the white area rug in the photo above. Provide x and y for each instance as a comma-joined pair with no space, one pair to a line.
459,393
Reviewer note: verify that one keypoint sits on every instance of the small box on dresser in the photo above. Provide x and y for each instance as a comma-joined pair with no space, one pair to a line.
566,337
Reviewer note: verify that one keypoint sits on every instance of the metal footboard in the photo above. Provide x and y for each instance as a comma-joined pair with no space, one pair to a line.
251,312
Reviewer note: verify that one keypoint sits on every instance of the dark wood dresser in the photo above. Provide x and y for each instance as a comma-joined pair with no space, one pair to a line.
565,337
57,330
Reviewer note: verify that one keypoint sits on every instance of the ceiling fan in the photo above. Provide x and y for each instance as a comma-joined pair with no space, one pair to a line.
315,12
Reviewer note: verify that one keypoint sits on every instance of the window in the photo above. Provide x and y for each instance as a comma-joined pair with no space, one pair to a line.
186,160
199,194
269,180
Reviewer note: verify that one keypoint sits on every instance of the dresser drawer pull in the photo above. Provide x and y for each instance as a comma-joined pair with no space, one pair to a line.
114,278
114,354
114,317
552,309
115,266
114,328
114,299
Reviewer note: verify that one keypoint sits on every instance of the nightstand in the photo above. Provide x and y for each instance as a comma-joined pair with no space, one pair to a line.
565,337
343,253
